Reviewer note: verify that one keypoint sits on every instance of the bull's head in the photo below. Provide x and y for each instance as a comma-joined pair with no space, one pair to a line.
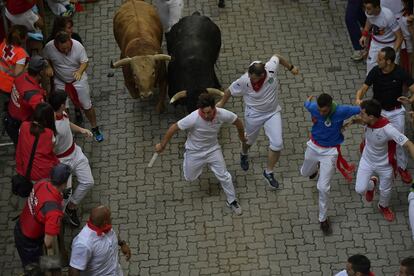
144,71
193,100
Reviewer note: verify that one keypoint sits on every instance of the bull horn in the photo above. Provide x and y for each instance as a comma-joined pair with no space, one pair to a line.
179,95
161,57
120,63
214,91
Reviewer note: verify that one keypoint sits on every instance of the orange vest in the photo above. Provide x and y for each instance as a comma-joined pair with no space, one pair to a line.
9,56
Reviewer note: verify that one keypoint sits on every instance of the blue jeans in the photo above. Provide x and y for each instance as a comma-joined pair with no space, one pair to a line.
355,19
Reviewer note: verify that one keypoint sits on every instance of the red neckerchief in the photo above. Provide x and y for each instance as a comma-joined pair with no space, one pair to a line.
200,112
99,230
343,166
392,146
56,45
371,274
256,86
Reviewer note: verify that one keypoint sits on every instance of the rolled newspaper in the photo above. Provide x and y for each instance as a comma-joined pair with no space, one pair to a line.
151,162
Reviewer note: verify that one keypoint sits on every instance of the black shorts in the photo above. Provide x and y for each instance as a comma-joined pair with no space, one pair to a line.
29,250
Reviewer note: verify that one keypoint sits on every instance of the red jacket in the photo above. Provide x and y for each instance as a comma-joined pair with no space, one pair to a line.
19,6
44,159
30,94
42,212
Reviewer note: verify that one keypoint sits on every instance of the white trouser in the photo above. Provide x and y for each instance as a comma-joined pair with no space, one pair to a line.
397,119
385,174
82,89
169,11
411,211
272,123
80,167
374,48
194,161
57,7
326,157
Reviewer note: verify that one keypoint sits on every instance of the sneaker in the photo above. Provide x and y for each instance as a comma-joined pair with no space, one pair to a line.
326,227
369,195
97,134
405,175
357,55
271,180
387,213
78,116
244,161
73,217
235,207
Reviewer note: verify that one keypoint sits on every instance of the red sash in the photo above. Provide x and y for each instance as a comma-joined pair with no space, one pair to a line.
343,166
73,94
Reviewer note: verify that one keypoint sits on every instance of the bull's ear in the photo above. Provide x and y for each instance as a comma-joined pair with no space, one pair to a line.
120,63
161,57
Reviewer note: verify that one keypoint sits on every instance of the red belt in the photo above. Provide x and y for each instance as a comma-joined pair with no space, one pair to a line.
68,152
382,42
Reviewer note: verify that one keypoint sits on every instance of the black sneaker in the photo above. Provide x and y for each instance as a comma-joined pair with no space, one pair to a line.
72,217
244,161
235,207
97,134
326,227
78,116
271,180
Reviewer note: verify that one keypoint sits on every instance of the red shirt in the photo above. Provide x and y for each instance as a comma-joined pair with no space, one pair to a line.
30,94
19,6
42,212
44,159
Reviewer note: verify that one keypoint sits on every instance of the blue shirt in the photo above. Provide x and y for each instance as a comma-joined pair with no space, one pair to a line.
330,135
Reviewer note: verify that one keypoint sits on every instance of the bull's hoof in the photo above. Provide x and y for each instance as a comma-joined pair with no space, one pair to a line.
221,4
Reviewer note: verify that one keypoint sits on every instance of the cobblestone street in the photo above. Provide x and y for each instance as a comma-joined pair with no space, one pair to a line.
176,227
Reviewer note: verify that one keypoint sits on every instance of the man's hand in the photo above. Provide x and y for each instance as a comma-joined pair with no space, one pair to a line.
363,41
310,98
77,75
49,72
295,70
86,132
159,148
404,100
126,251
358,102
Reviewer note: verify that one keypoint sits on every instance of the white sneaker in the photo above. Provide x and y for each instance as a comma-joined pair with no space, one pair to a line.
235,207
357,55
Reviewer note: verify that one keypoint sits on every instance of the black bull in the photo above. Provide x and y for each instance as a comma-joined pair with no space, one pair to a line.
194,45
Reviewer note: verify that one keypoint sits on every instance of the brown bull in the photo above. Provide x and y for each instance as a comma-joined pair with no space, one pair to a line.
138,32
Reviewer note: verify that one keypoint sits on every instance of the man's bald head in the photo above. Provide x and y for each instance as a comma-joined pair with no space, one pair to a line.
100,216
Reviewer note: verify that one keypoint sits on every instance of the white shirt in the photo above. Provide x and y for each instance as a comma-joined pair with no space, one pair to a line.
95,255
384,25
406,33
202,134
396,6
342,273
264,100
376,144
64,138
65,65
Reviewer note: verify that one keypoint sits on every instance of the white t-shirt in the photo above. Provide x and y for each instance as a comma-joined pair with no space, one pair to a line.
65,65
376,143
95,255
384,25
342,273
64,138
396,6
202,134
406,33
264,100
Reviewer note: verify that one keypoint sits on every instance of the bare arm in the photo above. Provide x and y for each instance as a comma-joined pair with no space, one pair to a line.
240,129
48,240
225,98
361,93
398,40
78,74
159,148
363,41
287,64
74,272
410,147
78,129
